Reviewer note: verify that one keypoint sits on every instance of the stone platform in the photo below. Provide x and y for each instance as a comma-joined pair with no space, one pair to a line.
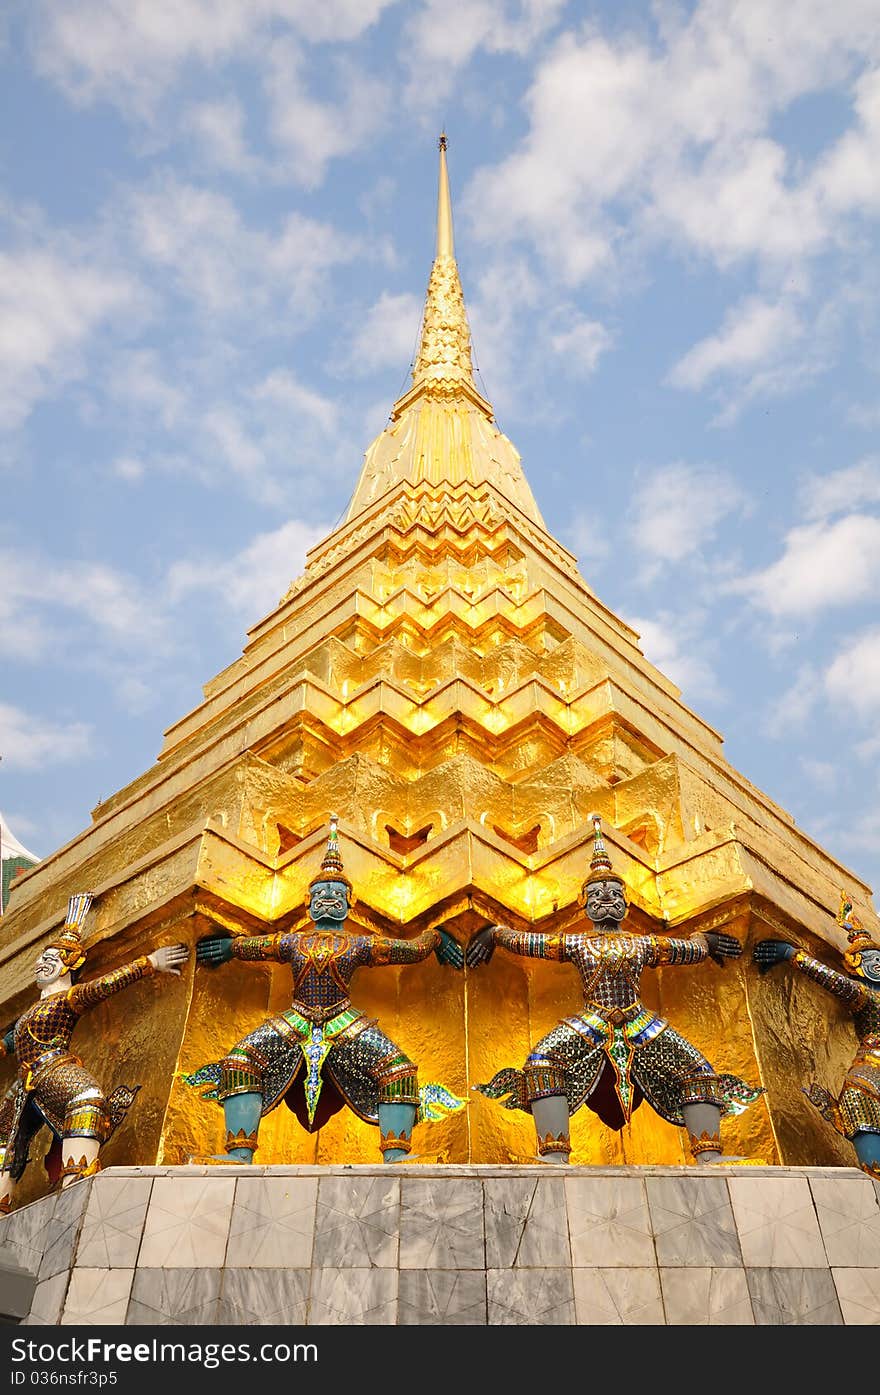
454,1245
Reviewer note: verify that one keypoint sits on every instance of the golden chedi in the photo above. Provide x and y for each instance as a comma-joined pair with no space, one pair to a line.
443,677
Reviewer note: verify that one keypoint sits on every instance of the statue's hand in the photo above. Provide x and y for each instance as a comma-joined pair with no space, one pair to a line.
169,959
449,951
722,947
769,952
481,947
216,949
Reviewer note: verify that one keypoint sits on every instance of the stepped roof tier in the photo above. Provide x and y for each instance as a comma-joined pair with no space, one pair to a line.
443,677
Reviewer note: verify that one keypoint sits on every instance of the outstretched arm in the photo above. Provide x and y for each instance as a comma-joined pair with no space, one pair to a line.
530,943
219,949
769,952
167,960
707,945
384,949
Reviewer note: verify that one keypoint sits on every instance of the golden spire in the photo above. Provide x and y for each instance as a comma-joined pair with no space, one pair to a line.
442,430
444,357
445,239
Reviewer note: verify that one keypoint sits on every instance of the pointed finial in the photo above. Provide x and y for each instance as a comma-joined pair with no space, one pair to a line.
331,862
600,863
445,240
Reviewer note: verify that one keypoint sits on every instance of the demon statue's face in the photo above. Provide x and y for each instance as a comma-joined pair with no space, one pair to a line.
49,968
328,901
869,967
605,901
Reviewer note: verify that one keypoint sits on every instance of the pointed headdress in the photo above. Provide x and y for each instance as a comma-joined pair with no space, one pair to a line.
68,940
331,862
600,863
856,934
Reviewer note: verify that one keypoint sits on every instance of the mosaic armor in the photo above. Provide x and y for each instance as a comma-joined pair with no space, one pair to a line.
615,1052
53,1086
321,1035
857,1107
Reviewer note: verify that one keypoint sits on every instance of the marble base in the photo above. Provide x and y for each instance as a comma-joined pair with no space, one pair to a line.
439,1245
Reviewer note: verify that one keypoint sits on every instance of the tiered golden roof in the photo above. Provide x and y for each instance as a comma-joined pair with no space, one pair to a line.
443,677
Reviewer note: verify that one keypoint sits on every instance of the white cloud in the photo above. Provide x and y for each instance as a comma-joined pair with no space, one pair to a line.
581,345
310,131
789,712
823,773
228,267
678,646
853,677
842,490
219,126
36,590
282,389
130,51
753,332
679,508
386,335
252,581
137,377
822,565
51,308
636,139
588,541
28,742
445,34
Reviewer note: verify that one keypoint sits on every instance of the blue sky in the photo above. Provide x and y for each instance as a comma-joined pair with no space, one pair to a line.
216,227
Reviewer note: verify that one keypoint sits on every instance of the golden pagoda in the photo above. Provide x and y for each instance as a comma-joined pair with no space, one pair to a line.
443,677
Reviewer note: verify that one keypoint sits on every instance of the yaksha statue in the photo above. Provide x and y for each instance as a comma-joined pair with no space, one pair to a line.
53,1087
322,1052
615,1052
856,1111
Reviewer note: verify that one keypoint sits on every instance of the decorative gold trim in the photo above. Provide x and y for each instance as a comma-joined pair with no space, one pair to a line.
706,1143
560,1143
394,1140
241,1140
79,1169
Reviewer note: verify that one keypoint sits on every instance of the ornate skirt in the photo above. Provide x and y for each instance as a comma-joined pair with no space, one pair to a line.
612,1067
66,1097
364,1066
857,1107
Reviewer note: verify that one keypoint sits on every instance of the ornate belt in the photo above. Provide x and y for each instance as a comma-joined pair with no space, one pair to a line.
32,1074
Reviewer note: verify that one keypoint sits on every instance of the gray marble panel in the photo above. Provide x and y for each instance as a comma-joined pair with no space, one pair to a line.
777,1224
693,1221
704,1297
273,1223
97,1297
849,1218
859,1293
48,1301
358,1297
526,1223
441,1297
609,1222
794,1297
174,1297
114,1220
62,1229
257,1297
187,1223
537,1297
357,1222
617,1297
24,1231
441,1227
